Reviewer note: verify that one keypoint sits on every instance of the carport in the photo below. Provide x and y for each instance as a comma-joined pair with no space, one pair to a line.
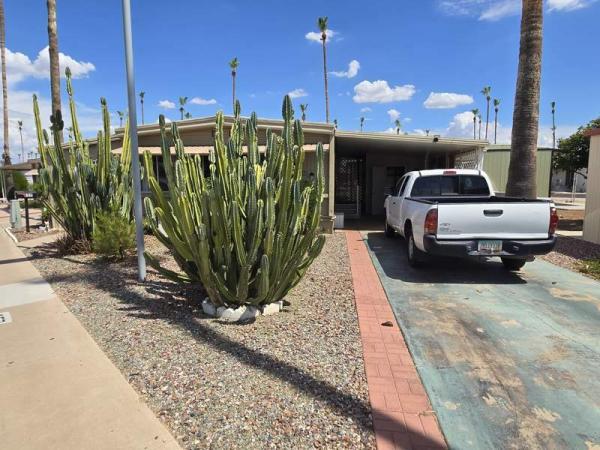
367,165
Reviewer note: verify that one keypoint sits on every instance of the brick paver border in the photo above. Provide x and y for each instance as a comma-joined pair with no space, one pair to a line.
402,415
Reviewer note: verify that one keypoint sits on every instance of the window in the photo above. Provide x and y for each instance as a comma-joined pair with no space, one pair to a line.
399,188
403,187
450,185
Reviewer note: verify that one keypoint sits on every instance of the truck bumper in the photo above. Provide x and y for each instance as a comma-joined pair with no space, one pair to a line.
462,249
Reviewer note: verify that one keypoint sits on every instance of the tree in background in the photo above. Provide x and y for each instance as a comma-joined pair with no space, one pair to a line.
19,181
188,115
182,102
496,108
20,124
6,152
322,23
362,123
303,108
553,105
475,114
233,65
142,94
486,93
335,123
522,169
398,125
120,114
573,152
54,60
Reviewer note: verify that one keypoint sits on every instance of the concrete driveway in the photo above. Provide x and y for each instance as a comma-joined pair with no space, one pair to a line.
509,360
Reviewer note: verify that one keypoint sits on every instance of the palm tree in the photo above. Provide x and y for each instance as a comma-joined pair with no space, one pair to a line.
182,102
303,108
479,118
553,105
188,115
6,151
362,123
522,168
427,132
54,63
233,65
322,22
335,123
120,114
142,93
20,124
475,114
398,126
70,130
496,107
486,93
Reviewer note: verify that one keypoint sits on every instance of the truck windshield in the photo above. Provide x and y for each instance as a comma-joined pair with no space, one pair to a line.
448,185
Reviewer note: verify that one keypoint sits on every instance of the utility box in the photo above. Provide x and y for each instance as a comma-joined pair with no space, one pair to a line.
15,215
339,220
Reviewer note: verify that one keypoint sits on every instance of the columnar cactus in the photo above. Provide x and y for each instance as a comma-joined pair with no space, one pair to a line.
78,188
249,231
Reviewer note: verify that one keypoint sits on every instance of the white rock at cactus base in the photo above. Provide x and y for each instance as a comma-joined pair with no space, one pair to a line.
208,307
272,308
241,314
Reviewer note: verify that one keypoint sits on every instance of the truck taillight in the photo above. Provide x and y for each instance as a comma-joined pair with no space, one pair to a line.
553,221
431,222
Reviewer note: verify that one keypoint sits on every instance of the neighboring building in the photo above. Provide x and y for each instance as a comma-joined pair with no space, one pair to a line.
360,167
29,169
562,181
591,223
497,160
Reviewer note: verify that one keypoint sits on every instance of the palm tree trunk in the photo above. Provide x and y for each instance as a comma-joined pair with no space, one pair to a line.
142,102
22,147
233,89
495,126
522,169
474,128
487,117
326,83
54,63
6,151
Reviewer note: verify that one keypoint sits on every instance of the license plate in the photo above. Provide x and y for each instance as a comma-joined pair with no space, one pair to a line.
489,246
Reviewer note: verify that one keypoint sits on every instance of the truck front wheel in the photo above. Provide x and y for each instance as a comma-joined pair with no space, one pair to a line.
513,264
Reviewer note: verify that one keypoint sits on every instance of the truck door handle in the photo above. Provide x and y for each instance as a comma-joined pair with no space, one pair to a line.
492,212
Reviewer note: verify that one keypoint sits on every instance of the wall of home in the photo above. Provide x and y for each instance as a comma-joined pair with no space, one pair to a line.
591,223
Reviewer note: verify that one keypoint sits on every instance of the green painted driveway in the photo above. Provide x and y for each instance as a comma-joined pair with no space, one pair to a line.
509,360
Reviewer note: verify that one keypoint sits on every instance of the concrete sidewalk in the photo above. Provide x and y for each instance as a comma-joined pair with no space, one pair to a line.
58,390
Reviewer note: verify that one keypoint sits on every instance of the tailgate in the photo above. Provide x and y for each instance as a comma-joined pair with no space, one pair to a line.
493,220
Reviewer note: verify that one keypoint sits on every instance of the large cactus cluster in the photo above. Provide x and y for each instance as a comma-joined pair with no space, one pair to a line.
250,229
78,187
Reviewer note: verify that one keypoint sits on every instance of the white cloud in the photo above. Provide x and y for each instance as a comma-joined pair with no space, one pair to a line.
493,10
568,5
166,104
19,66
298,93
365,109
394,114
203,101
315,36
446,100
379,91
352,71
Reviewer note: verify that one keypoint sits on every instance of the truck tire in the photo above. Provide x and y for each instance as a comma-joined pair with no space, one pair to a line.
413,254
389,231
513,264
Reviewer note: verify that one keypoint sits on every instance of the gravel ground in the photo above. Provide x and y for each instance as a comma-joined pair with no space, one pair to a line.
570,252
292,380
23,235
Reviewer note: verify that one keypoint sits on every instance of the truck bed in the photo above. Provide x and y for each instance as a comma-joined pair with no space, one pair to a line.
465,199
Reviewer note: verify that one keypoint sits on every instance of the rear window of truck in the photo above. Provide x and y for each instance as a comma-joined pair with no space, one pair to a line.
449,185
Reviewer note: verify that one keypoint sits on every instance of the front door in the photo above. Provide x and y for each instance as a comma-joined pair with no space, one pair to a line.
349,185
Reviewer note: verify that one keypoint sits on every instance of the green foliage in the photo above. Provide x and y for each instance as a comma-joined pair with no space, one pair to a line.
79,188
19,181
590,267
113,234
573,152
250,230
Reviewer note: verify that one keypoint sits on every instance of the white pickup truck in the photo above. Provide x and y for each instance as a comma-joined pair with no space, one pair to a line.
454,212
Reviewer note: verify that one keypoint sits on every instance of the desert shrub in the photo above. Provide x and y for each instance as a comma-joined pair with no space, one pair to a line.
250,230
113,235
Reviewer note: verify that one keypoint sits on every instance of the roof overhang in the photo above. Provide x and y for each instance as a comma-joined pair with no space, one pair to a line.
364,141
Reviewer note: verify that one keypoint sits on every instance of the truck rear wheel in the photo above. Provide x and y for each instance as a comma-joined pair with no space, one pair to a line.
513,264
413,254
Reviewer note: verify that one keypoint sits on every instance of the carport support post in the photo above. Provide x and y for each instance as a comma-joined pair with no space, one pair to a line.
26,214
331,174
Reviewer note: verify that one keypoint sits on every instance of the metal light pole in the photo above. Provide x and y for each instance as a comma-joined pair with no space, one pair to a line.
135,158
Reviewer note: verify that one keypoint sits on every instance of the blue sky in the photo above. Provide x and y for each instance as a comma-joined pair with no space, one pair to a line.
404,51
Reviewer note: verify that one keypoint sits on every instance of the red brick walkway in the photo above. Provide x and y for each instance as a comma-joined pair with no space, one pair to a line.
402,416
